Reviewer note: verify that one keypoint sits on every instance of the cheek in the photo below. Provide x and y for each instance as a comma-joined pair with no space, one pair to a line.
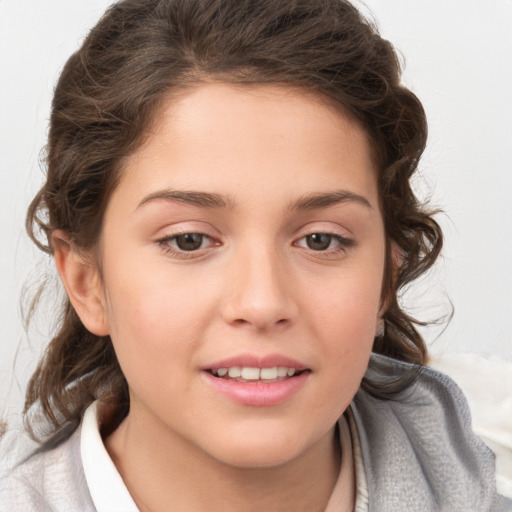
343,315
349,302
342,325
149,318
152,296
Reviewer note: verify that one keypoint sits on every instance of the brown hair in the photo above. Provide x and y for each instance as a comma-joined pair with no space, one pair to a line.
107,96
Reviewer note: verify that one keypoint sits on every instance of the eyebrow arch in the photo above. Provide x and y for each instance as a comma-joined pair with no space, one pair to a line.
324,200
201,199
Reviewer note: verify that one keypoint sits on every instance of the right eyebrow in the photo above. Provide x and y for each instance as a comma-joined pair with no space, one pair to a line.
194,198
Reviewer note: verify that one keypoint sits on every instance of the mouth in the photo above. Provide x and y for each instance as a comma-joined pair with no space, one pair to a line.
257,384
248,374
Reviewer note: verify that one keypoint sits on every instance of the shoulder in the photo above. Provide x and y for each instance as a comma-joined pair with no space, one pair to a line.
52,480
419,450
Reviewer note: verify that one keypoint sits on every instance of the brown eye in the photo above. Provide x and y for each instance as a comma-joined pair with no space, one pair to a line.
325,243
318,241
189,241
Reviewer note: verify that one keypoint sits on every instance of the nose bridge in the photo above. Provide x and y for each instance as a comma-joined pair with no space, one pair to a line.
261,293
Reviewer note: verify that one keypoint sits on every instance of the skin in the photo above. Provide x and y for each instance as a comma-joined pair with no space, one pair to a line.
255,286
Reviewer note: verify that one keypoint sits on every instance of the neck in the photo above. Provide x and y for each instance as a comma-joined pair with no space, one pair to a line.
162,470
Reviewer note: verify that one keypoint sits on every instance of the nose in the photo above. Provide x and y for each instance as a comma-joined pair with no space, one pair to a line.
261,292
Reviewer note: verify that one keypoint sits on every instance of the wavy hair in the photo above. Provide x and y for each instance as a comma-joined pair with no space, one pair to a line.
106,98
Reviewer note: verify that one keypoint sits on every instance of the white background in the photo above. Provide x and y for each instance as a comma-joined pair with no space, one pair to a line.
457,60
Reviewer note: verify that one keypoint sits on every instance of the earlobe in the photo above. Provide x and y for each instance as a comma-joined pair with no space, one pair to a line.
81,279
379,328
395,258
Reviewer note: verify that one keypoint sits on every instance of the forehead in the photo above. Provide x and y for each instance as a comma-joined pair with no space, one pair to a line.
252,140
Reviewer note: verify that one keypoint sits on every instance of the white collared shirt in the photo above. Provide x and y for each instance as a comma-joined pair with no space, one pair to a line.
109,492
107,489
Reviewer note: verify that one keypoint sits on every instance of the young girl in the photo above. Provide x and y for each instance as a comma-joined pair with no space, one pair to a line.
229,209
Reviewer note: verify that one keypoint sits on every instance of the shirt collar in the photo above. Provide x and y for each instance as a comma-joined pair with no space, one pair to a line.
109,493
107,489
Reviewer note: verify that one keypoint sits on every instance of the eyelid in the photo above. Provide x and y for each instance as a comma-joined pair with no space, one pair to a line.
167,235
324,227
174,236
344,241
180,228
338,233
182,254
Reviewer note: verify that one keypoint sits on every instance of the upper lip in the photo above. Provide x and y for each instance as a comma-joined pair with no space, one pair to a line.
254,361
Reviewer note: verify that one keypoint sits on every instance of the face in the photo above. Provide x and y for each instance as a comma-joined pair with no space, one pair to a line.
242,261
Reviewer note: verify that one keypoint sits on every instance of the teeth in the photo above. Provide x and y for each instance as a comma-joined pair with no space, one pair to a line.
268,373
250,373
282,371
235,371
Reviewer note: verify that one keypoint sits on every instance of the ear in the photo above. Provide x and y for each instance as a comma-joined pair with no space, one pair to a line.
81,279
396,257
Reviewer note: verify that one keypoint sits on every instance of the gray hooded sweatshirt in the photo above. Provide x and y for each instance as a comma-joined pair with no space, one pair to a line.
418,450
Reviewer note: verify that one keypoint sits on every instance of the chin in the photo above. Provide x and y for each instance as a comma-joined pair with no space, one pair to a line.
248,458
261,450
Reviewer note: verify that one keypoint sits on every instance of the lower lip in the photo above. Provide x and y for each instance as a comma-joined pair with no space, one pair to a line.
257,394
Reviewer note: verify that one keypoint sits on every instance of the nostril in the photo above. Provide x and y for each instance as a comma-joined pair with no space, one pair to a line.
259,311
240,321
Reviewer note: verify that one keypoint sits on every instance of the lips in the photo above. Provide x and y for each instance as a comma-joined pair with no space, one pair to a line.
254,381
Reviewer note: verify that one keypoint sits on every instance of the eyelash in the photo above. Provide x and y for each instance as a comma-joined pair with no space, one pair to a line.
344,244
165,244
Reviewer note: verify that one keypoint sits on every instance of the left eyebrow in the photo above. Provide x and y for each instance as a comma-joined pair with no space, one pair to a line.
324,200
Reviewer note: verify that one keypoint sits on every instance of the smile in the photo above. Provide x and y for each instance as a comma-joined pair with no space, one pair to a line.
252,374
249,382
